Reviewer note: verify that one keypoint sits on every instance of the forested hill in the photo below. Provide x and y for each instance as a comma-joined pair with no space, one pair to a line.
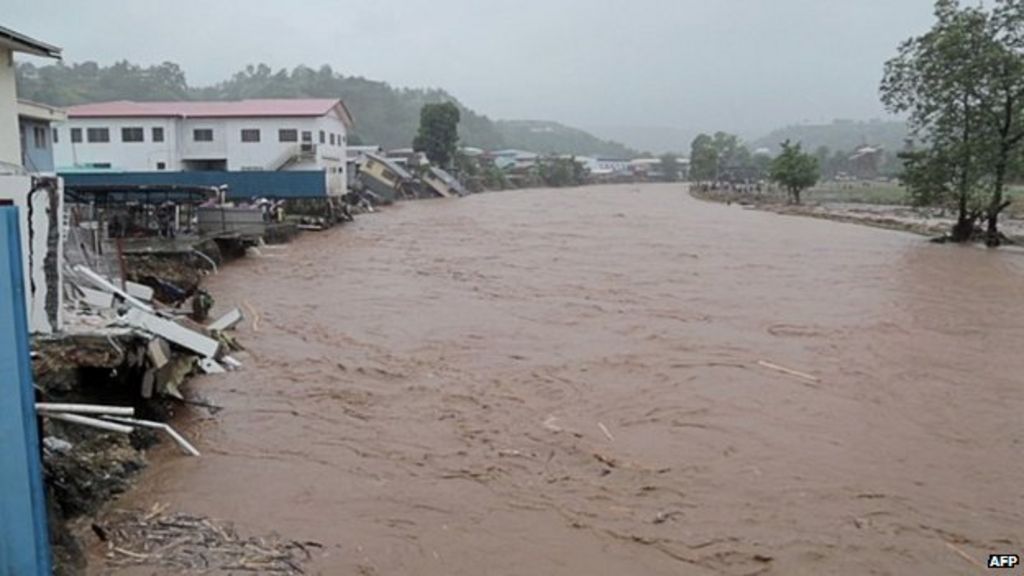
839,135
383,114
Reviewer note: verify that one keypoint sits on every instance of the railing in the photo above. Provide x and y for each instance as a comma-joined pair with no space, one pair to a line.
293,154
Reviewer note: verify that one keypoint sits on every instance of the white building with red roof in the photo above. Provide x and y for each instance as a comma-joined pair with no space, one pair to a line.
228,136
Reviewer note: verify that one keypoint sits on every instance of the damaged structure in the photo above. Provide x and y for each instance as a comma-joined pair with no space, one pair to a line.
39,198
386,180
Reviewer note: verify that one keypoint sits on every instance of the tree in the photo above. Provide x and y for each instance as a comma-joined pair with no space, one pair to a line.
670,167
795,170
703,159
1003,98
962,84
719,156
438,135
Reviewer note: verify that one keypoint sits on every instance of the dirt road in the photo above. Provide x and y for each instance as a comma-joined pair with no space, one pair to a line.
617,380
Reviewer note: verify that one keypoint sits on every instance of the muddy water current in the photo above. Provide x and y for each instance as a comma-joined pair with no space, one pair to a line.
616,380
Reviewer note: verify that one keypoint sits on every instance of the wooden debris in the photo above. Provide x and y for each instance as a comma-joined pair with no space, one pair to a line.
173,332
184,543
549,423
790,371
227,321
959,552
606,432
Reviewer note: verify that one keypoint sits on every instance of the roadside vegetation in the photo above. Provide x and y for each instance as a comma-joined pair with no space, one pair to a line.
962,86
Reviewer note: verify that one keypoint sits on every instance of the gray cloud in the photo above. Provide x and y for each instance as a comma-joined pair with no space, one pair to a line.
740,65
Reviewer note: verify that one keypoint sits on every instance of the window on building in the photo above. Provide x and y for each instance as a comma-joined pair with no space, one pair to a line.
158,134
307,136
323,137
97,134
55,140
332,138
250,135
133,134
202,135
287,135
39,137
161,166
76,135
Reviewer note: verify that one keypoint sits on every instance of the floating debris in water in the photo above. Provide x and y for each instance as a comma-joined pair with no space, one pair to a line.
194,543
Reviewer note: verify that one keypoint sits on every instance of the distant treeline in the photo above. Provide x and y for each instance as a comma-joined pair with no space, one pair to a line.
384,115
847,135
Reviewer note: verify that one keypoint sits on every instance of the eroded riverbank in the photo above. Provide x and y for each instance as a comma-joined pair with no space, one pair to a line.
574,382
931,222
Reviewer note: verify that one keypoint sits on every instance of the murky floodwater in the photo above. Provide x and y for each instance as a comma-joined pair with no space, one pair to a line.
568,382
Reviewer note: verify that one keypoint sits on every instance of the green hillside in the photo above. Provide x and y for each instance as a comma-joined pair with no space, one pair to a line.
552,137
384,115
839,135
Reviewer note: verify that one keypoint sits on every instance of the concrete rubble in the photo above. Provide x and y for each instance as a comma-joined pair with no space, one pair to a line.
106,383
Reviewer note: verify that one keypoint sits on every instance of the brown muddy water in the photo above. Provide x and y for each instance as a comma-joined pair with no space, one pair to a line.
568,382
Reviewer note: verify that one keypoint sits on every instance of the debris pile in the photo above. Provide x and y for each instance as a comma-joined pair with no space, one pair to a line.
187,543
107,383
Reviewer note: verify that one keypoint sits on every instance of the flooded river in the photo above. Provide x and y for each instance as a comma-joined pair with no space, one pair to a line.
616,380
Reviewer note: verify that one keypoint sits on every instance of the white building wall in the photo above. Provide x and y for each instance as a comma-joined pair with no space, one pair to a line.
179,145
129,156
34,222
10,143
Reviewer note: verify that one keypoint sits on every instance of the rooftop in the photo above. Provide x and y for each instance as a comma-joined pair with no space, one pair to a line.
269,108
43,112
18,42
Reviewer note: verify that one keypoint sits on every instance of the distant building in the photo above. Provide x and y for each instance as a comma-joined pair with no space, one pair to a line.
238,136
442,183
512,159
39,199
865,162
11,42
386,179
356,159
615,166
35,123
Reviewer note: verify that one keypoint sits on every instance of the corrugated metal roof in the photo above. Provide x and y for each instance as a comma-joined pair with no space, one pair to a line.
298,107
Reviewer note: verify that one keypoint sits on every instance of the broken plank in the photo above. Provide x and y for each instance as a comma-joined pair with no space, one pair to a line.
96,298
158,352
211,366
175,333
140,291
790,371
103,283
227,321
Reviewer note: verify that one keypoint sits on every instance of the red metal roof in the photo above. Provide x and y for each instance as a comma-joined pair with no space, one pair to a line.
213,109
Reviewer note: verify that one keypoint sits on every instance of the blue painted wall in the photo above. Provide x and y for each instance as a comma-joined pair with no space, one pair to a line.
24,541
36,156
241,185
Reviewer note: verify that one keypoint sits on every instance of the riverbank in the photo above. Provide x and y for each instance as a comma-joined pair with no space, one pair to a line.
611,380
860,206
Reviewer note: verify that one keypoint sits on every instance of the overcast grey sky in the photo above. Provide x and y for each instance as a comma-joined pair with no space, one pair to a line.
741,65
